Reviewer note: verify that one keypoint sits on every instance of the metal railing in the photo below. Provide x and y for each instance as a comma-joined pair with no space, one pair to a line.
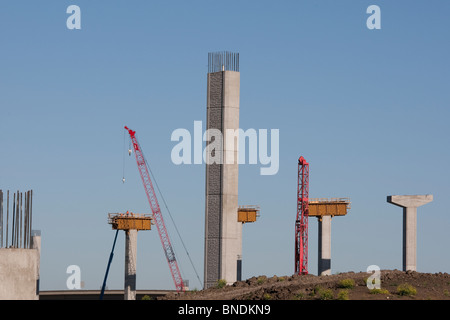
251,207
331,200
113,216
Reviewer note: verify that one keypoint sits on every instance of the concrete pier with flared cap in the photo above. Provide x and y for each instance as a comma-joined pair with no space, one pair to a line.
410,203
131,223
325,209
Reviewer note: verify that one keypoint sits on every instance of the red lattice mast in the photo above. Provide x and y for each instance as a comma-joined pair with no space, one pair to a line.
301,222
157,216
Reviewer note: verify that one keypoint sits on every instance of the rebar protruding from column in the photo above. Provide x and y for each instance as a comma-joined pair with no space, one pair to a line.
18,235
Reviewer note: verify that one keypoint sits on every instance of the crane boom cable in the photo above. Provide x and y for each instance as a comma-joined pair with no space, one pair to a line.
123,158
161,196
173,221
159,220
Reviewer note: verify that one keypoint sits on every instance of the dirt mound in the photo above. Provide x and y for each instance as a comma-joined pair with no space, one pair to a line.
395,285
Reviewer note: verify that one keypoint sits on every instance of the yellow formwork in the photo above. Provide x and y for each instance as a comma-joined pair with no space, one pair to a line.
120,221
247,214
328,207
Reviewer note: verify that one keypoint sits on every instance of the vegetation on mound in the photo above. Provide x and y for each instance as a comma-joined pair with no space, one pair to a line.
346,284
343,295
378,291
221,283
406,290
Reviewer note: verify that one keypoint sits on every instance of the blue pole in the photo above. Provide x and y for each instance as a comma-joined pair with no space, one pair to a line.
109,264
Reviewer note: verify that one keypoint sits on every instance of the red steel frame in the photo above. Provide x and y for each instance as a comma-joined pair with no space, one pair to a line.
301,222
157,216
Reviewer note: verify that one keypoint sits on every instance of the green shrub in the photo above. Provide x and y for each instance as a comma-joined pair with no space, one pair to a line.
299,296
267,296
378,291
406,290
146,297
326,294
343,295
261,280
346,284
221,283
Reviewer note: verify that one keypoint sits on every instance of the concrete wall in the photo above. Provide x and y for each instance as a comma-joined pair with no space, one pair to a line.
36,244
18,274
221,226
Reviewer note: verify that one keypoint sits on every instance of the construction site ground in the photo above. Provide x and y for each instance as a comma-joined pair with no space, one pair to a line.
395,285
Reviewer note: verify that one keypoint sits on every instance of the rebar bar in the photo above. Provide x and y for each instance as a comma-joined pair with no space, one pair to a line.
223,61
21,228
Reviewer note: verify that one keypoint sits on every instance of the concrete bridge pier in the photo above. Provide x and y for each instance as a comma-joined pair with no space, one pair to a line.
410,205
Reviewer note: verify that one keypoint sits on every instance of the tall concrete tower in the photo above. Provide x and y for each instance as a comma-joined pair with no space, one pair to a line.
222,249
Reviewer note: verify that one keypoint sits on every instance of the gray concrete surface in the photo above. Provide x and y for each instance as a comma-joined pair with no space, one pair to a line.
36,244
18,274
221,227
409,203
130,264
324,249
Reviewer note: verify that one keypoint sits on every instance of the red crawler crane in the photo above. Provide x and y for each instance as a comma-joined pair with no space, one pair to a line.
301,223
157,216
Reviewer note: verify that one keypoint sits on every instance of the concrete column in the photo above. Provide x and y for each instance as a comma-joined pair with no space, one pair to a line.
221,226
130,264
36,244
409,205
409,238
239,253
324,267
230,225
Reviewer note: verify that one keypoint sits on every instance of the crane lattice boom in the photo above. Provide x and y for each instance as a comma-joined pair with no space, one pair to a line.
301,222
157,216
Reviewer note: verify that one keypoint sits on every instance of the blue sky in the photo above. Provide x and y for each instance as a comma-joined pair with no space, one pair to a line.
368,109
